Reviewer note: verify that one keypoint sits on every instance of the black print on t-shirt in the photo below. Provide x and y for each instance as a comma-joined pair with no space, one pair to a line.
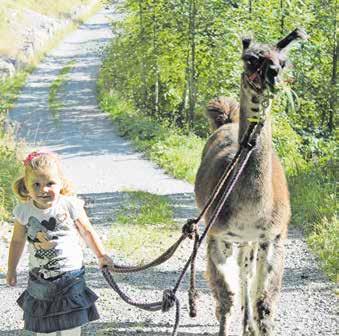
36,229
50,224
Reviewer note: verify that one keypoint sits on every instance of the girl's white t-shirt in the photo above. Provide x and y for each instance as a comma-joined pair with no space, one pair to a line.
63,250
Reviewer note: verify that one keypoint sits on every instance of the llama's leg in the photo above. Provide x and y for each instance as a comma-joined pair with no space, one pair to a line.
247,264
222,273
270,267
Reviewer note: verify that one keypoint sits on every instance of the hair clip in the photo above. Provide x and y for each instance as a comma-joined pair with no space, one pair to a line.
31,156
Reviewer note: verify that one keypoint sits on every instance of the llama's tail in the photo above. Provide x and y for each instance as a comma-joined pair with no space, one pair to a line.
222,110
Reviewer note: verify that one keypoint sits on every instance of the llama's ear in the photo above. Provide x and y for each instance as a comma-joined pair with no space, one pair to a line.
246,41
298,33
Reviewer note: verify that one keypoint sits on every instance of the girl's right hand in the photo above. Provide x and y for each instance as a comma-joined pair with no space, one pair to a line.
11,278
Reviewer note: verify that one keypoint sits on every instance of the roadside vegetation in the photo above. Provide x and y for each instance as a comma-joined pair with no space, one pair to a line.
9,165
187,52
143,219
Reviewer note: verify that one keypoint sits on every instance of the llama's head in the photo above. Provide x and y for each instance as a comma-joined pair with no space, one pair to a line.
263,63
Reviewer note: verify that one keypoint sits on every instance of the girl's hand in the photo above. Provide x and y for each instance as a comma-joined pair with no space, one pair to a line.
11,278
105,260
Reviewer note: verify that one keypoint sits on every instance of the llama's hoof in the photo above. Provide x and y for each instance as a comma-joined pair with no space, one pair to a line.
218,313
249,331
266,328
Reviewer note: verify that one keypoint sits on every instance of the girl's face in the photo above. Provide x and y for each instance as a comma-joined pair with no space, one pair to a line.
44,186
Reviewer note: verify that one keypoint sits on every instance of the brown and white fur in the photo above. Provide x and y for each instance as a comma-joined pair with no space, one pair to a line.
245,245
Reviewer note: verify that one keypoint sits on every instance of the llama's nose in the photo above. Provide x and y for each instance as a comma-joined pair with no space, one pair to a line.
274,69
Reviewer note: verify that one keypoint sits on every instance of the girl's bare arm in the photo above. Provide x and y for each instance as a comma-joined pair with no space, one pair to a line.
15,251
92,239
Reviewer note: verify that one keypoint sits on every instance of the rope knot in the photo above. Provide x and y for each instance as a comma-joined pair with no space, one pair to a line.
168,300
190,227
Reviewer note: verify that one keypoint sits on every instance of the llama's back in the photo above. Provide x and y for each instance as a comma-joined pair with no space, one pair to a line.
221,111
220,148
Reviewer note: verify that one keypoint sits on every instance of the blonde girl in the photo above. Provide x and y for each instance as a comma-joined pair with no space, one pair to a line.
57,300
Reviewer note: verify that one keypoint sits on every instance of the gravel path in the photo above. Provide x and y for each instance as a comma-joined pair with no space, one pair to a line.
103,166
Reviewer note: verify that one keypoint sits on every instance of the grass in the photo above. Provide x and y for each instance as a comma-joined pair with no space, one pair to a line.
311,184
142,223
145,208
323,240
9,90
53,102
10,167
313,202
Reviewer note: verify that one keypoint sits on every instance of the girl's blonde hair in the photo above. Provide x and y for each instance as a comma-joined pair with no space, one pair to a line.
40,161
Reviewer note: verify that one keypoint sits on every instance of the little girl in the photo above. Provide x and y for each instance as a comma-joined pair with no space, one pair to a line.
56,298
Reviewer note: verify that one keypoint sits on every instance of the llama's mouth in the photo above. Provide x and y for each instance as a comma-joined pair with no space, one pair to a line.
255,82
259,85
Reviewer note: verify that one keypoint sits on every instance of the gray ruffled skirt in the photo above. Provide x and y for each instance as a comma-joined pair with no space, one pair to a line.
59,304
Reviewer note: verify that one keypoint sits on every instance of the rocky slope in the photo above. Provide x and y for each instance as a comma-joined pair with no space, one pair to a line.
33,31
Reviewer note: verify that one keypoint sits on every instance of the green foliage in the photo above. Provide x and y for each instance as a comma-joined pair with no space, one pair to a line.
9,169
313,196
9,165
9,89
167,52
324,242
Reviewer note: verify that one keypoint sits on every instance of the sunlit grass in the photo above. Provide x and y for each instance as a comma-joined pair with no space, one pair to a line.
9,169
9,90
144,227
144,208
324,241
54,102
314,207
9,165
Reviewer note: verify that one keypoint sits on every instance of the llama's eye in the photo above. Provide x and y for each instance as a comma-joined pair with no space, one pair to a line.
251,60
283,64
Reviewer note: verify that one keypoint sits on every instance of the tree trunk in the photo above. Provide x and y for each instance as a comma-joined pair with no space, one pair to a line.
156,75
192,73
182,108
333,98
142,61
282,18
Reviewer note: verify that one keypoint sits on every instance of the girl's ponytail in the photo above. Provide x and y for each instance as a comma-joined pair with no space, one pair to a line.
67,187
20,189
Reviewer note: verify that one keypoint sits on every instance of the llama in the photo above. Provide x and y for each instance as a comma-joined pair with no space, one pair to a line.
245,245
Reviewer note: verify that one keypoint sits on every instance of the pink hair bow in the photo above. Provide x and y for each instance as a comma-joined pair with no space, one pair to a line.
31,156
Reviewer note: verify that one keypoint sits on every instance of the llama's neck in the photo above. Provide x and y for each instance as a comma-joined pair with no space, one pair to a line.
258,173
